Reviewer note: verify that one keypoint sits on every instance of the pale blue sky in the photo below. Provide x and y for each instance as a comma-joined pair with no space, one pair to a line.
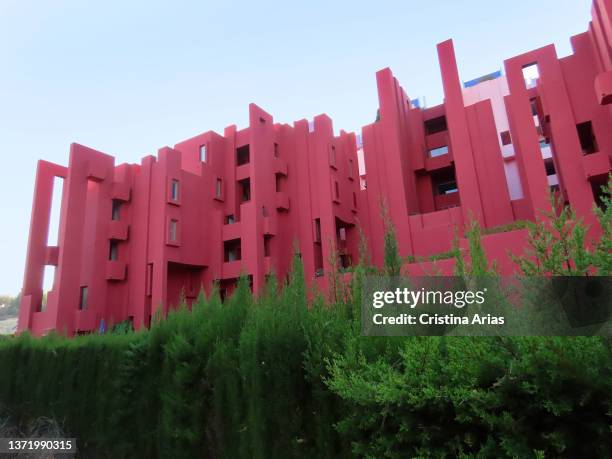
128,77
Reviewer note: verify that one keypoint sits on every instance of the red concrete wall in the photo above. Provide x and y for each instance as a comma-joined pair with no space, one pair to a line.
181,219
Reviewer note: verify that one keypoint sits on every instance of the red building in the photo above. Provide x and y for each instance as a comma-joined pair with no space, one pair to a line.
134,237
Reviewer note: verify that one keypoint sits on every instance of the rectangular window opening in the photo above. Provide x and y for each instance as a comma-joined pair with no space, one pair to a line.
433,153
116,211
243,155
588,143
203,153
435,125
232,250
113,251
506,139
245,189
447,187
332,156
173,230
174,190
230,220
336,191
267,240
56,207
276,150
83,298
218,188
531,74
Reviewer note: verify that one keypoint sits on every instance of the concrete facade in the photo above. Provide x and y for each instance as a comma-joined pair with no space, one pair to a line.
137,237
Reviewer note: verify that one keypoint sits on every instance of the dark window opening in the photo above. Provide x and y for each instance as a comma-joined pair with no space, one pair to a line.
550,166
243,155
599,193
336,191
83,298
232,250
276,150
116,214
350,171
447,187
229,220
280,182
534,106
345,261
506,139
113,251
587,138
267,239
245,189
435,125
317,224
354,200
203,153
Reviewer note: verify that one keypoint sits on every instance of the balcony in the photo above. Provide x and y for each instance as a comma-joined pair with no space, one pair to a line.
121,191
596,165
232,269
115,270
243,171
232,231
118,230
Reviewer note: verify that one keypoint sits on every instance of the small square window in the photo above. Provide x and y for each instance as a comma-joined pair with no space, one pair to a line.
174,190
203,153
505,138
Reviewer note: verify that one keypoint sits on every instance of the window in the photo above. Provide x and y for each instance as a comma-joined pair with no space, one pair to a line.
230,220
231,250
435,125
115,212
203,153
354,200
276,150
264,211
531,74
533,103
83,298
447,187
336,191
549,165
279,183
113,252
505,138
317,228
342,233
438,151
245,189
173,230
267,239
243,155
174,190
587,138
218,188
332,156
350,167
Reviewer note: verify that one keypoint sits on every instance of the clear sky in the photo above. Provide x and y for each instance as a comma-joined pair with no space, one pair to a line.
128,77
